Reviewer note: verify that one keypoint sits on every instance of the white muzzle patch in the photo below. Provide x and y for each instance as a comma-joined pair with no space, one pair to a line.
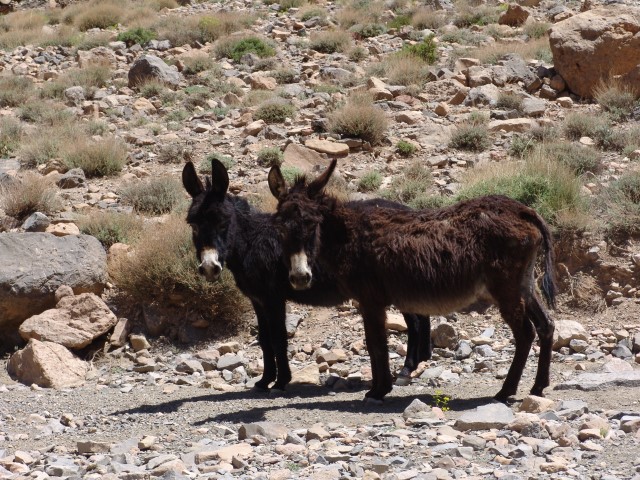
300,273
210,266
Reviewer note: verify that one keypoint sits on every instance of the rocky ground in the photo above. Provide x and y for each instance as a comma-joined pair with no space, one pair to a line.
152,408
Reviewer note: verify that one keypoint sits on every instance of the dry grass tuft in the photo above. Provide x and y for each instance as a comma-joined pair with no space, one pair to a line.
31,193
617,98
154,196
163,264
96,158
330,41
360,118
112,227
537,49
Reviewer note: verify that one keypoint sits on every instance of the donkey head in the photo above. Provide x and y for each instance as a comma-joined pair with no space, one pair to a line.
298,218
209,217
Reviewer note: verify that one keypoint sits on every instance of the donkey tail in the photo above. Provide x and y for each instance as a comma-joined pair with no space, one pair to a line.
549,286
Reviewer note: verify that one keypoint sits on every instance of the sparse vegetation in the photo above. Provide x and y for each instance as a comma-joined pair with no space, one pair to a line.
111,227
427,50
153,196
403,70
509,101
360,118
290,173
197,63
274,111
536,30
411,187
370,181
577,158
138,35
235,48
616,98
404,148
10,135
29,194
427,18
368,30
331,41
15,90
470,136
577,125
205,165
96,158
268,157
622,206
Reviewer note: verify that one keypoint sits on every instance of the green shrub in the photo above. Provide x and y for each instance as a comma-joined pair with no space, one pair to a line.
399,21
370,181
616,98
509,101
164,265
153,196
235,48
536,29
194,64
330,41
426,50
468,15
470,136
31,193
111,227
577,125
10,136
609,138
411,186
274,111
360,118
622,207
268,157
15,90
404,148
577,158
100,15
151,88
138,35
521,145
285,75
368,30
358,54
541,183
290,173
205,165
96,158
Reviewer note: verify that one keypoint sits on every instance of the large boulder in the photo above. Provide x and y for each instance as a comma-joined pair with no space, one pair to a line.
595,45
48,365
75,322
35,265
150,67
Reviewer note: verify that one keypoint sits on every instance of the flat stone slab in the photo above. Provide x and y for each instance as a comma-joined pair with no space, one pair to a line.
601,381
485,417
325,146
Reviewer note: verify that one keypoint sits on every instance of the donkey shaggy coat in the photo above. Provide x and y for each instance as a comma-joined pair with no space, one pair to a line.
430,262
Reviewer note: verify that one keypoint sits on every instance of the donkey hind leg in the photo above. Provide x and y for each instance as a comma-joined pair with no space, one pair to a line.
545,327
424,335
524,333
279,343
413,349
376,338
268,356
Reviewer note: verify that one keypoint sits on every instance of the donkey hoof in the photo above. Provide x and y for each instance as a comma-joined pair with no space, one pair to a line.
403,380
503,397
262,386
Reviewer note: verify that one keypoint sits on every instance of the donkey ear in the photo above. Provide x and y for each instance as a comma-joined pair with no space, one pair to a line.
191,181
319,183
277,185
219,178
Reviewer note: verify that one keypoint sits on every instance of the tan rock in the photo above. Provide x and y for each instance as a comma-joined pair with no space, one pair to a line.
395,321
255,127
63,229
225,454
596,44
380,94
442,109
143,105
410,117
96,56
328,147
120,333
515,16
534,404
75,322
139,342
306,159
519,125
567,330
47,365
309,374
262,82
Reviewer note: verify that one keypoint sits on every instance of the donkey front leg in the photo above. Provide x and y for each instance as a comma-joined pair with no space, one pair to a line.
268,356
545,328
376,338
278,337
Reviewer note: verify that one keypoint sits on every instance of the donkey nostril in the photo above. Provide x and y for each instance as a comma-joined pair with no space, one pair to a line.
307,277
217,269
201,270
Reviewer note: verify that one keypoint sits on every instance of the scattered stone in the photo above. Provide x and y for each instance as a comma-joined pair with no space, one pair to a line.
325,146
485,417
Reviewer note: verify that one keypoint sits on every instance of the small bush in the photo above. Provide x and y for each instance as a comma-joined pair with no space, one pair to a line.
10,136
96,158
164,264
205,165
153,196
536,29
404,148
399,21
463,36
521,145
577,125
622,207
411,186
174,153
268,157
472,137
290,174
31,193
111,227
200,28
427,50
151,88
357,54
427,18
509,101
468,15
360,118
194,64
331,41
577,158
91,77
48,143
368,30
541,183
285,75
274,111
15,90
616,98
403,70
534,49
370,181
99,15
312,11
138,35
235,48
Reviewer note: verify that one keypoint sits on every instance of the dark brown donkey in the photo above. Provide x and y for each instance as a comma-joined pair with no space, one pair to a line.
227,231
430,262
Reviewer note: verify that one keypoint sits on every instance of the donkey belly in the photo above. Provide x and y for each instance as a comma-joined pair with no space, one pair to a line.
438,301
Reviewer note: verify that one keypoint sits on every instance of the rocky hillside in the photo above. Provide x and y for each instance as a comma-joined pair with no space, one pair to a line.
426,103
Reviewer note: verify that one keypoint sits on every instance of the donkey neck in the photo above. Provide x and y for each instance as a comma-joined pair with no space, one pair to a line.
247,223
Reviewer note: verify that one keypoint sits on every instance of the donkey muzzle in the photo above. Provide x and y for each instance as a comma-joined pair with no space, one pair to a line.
210,267
300,274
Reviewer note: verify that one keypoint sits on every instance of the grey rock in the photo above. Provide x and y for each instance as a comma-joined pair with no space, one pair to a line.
484,351
230,361
74,95
35,265
270,430
445,335
463,351
160,45
37,222
417,409
292,322
483,95
72,179
494,415
601,381
189,366
621,351
533,107
151,67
